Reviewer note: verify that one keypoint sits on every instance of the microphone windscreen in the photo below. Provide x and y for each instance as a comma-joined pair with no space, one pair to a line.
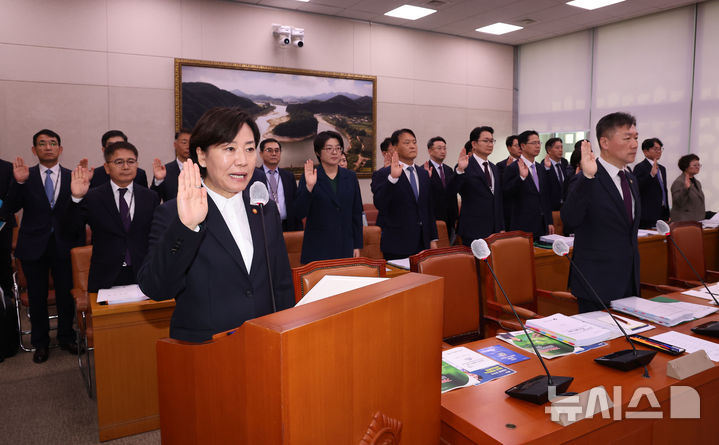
662,227
560,247
259,194
480,249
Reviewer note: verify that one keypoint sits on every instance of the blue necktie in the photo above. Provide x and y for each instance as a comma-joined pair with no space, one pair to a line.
413,182
49,188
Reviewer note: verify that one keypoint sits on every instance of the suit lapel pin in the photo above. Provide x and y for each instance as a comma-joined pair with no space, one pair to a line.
254,211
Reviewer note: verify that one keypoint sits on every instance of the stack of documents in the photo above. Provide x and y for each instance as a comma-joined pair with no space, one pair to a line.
646,232
690,343
569,330
550,239
604,321
121,294
665,314
711,223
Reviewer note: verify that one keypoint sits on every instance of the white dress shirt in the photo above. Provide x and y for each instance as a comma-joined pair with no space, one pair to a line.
235,215
614,174
481,162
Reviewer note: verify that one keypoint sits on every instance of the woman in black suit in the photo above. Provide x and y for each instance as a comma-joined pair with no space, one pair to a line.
207,249
329,196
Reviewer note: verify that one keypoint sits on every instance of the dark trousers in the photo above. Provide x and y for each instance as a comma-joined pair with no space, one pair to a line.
5,260
37,273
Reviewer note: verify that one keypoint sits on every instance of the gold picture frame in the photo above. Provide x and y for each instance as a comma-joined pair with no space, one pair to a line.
290,105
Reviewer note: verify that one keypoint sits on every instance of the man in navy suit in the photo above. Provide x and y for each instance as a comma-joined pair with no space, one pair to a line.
6,231
652,178
443,199
524,182
603,206
119,214
164,182
515,151
43,193
280,183
98,176
207,248
401,193
556,167
478,183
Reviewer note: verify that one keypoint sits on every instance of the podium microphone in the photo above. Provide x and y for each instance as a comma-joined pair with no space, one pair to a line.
536,389
711,328
259,196
627,359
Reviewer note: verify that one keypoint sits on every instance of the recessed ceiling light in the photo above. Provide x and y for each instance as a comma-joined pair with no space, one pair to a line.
593,4
304,1
410,12
499,28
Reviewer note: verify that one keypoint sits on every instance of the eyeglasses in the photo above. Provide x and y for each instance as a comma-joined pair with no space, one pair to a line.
330,149
273,150
121,162
46,144
658,148
487,141
534,143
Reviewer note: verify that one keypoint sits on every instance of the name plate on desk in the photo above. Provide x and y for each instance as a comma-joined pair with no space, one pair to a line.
694,363
569,409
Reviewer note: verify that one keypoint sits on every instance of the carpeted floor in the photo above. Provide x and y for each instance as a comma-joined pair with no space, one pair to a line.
48,404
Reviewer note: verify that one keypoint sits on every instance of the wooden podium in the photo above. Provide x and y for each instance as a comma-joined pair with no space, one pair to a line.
360,367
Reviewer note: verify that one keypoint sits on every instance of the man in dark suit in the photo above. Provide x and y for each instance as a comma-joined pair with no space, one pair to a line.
98,175
207,248
443,199
515,151
524,182
603,206
652,178
7,217
401,193
556,167
478,183
280,183
164,182
43,193
119,214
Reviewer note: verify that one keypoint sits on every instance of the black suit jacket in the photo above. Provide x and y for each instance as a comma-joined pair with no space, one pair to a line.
205,274
109,239
334,221
6,180
100,177
650,191
506,202
407,224
555,190
482,211
167,190
530,209
444,201
605,240
40,222
289,186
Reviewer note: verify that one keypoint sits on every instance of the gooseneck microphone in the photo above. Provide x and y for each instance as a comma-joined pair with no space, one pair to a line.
711,328
259,196
627,359
536,389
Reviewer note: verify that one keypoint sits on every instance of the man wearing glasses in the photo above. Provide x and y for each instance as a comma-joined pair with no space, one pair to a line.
478,183
524,184
652,179
280,183
120,215
98,176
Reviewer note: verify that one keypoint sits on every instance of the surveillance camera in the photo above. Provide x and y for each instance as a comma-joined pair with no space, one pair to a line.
298,37
282,34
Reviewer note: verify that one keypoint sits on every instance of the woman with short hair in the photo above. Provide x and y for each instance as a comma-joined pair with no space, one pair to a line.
687,194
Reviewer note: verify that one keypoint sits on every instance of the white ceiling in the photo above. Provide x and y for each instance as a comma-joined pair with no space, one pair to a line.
461,17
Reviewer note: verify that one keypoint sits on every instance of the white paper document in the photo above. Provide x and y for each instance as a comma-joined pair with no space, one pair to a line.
665,314
552,238
569,330
603,320
331,285
691,344
402,263
646,232
700,292
121,294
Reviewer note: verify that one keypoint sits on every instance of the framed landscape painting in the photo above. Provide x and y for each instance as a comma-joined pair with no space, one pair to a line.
289,105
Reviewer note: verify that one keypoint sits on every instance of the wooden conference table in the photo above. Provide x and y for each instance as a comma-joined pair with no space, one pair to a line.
485,414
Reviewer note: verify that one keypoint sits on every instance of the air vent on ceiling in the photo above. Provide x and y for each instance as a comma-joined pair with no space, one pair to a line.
436,4
526,22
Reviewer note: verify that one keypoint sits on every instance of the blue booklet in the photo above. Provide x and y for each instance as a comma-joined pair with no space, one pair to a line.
502,354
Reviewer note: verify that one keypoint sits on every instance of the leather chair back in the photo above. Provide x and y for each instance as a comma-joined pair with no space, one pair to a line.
80,260
371,236
512,259
689,237
461,287
293,242
370,212
557,222
305,277
442,235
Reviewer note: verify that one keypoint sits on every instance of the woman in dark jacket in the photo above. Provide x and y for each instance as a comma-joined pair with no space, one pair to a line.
329,196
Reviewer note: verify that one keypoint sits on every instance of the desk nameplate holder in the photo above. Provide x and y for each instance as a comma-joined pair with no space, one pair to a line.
688,365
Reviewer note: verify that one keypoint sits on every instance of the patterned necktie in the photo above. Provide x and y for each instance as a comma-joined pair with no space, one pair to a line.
560,175
661,184
413,182
125,218
487,175
534,175
273,184
627,195
441,175
49,188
